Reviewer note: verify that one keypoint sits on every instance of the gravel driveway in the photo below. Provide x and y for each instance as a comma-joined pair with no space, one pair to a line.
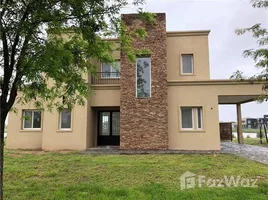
251,152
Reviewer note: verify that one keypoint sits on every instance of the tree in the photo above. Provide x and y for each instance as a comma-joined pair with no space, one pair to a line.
260,56
54,40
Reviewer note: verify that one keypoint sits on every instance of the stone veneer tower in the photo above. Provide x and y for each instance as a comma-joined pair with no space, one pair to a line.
144,121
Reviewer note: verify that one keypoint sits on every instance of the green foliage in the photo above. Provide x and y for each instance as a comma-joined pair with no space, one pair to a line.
239,75
260,55
259,3
48,46
254,141
147,17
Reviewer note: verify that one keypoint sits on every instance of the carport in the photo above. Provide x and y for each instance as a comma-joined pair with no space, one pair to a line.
237,100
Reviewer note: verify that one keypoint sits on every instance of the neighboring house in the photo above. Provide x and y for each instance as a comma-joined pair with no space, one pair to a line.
252,123
243,121
166,100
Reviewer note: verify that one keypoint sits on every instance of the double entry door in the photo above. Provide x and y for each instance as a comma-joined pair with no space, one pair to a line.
109,128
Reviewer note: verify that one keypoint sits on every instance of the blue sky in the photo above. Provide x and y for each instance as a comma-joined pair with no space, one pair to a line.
222,17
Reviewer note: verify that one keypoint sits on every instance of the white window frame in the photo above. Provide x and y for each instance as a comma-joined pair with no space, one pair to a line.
192,64
196,108
150,78
192,118
65,129
32,119
111,67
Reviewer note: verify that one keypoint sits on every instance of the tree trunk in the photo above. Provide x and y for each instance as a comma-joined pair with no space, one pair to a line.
2,130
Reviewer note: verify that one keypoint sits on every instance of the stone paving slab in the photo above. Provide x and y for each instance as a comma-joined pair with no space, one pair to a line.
251,152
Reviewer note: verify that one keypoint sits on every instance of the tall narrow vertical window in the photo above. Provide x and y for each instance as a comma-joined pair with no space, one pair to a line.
31,119
187,64
65,119
105,123
115,123
143,77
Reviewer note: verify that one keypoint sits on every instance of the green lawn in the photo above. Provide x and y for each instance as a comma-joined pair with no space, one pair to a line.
47,175
248,130
254,141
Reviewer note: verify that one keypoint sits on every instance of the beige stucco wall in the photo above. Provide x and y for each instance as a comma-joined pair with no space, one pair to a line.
105,96
209,138
75,139
91,134
49,137
206,95
19,138
188,43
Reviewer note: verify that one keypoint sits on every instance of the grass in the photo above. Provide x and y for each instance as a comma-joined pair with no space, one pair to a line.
47,175
248,130
254,141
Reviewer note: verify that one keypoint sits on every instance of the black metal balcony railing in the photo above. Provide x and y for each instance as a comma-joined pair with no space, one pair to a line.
106,78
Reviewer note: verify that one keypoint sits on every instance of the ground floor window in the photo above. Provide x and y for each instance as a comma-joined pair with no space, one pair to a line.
65,119
191,118
31,119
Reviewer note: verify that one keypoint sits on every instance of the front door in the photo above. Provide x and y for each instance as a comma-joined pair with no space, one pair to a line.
109,128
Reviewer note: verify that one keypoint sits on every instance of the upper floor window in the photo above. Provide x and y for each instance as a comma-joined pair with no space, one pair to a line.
65,119
187,65
191,118
110,70
31,119
143,77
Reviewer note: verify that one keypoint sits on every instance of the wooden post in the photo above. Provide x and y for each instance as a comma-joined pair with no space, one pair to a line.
239,124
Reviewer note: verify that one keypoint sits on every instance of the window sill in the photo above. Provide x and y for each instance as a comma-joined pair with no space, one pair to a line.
65,131
192,131
187,74
31,130
104,78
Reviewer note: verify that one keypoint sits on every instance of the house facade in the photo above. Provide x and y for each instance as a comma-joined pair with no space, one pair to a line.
166,100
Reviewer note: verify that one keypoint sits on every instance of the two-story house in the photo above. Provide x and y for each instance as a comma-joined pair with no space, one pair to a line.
166,100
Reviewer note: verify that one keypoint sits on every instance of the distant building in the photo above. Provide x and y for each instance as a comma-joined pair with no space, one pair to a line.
252,123
244,124
265,117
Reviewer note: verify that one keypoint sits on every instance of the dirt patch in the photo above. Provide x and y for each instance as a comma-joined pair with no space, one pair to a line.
36,152
14,155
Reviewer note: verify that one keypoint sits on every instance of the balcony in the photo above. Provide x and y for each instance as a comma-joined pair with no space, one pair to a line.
104,78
